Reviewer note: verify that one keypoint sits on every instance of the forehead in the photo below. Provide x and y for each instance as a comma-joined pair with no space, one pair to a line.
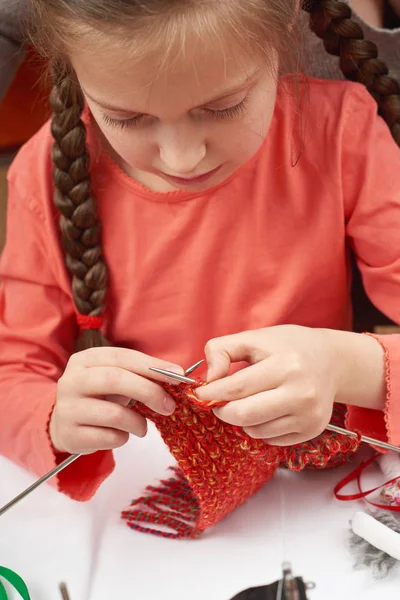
191,75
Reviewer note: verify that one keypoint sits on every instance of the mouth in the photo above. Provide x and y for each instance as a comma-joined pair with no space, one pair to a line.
188,181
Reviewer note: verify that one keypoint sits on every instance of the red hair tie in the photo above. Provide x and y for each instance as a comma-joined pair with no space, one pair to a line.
88,322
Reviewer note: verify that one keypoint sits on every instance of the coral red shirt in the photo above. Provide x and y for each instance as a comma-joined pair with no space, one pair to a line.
267,246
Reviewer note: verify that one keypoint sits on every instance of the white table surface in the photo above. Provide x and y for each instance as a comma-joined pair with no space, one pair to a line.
49,538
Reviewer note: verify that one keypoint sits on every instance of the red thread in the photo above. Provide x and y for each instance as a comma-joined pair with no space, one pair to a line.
362,495
219,466
88,322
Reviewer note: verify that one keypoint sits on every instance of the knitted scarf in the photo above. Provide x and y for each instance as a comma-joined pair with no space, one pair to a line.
219,466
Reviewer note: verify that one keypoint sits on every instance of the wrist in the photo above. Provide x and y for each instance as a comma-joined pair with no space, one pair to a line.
360,369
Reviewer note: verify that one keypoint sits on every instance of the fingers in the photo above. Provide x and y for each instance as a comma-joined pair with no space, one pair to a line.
100,413
288,440
123,358
283,426
105,381
265,375
94,425
223,351
259,408
87,440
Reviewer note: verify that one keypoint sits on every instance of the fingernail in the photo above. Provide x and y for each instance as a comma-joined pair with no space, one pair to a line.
169,404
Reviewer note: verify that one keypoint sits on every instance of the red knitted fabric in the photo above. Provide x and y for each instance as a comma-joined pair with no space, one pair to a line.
219,467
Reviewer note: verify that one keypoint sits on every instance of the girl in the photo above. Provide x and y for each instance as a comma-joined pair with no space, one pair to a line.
207,200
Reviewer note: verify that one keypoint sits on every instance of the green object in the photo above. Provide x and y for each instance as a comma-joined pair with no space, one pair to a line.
17,583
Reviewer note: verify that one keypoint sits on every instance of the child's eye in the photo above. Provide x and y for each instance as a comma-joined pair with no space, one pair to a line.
216,113
122,123
232,111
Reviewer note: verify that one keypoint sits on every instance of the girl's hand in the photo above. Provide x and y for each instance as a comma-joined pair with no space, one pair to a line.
91,411
286,395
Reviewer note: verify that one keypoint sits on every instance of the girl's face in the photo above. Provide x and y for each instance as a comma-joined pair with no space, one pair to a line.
188,126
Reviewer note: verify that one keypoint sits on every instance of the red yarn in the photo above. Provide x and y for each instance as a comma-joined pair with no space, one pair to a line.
219,466
88,322
363,494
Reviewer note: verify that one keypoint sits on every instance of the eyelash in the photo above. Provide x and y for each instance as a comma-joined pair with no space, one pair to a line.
225,113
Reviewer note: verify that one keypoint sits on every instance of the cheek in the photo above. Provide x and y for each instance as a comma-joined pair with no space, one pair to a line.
245,138
132,146
134,149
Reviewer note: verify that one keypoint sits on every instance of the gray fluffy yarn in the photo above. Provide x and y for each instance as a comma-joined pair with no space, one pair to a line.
367,555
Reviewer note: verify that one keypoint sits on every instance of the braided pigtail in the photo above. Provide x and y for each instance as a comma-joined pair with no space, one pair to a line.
79,224
331,21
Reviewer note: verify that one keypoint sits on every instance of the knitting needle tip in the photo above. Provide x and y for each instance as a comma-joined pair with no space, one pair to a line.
194,367
174,376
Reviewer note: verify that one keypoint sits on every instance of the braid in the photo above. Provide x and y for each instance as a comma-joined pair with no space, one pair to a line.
331,21
78,222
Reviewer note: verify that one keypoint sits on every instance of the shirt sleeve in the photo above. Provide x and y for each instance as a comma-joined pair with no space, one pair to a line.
37,336
371,188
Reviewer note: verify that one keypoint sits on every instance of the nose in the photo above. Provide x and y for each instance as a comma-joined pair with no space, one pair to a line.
182,148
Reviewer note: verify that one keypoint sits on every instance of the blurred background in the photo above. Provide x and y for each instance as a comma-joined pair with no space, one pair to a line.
23,110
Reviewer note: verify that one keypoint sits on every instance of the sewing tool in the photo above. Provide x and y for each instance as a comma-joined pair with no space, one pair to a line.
364,438
286,588
330,427
39,482
71,459
64,591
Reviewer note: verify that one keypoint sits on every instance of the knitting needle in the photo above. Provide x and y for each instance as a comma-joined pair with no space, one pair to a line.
194,367
175,376
64,591
181,378
68,461
364,438
39,482
329,427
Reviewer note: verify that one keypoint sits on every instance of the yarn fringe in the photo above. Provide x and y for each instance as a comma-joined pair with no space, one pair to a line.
172,505
219,467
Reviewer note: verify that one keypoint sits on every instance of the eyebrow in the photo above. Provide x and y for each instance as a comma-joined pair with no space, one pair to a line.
221,96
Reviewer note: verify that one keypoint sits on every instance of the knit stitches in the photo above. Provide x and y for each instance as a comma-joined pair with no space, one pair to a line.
219,467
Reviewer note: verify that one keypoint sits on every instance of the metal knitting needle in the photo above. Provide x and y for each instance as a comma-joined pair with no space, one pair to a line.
64,591
39,482
364,438
330,427
182,378
174,376
68,461
194,367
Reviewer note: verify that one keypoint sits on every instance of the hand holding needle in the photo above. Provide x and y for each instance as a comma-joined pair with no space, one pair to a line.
330,427
68,461
188,380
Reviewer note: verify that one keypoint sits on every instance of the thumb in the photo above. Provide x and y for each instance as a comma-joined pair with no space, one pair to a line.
222,352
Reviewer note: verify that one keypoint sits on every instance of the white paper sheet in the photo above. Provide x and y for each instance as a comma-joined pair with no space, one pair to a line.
48,538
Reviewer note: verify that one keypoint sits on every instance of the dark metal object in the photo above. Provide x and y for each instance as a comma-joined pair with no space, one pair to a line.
286,588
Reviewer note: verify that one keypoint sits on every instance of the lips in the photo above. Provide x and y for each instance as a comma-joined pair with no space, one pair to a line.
191,180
